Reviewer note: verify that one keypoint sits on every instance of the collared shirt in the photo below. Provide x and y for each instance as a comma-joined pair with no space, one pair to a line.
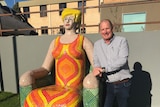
113,56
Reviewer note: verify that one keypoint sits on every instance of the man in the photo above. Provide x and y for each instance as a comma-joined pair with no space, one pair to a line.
111,54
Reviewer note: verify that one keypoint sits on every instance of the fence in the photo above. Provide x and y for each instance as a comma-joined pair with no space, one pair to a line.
22,53
84,24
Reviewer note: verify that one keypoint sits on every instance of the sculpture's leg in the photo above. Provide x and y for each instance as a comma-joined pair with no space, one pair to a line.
24,91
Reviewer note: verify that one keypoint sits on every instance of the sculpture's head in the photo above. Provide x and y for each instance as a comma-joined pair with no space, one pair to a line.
76,13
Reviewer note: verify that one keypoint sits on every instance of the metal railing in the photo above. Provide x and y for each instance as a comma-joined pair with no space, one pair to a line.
83,22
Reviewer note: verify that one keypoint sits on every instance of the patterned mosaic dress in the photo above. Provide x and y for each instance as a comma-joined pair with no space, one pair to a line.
70,72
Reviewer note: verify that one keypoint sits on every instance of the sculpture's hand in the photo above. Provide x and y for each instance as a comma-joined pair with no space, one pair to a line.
26,79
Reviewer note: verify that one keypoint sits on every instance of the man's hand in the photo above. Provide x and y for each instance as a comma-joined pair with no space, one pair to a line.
97,71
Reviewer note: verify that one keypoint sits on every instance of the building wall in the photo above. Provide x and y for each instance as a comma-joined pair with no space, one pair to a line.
3,3
92,16
115,12
54,20
119,1
112,9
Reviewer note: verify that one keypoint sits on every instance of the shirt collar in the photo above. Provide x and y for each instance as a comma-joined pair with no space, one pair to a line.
112,38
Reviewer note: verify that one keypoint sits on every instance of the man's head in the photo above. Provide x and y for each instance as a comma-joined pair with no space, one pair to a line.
107,20
106,29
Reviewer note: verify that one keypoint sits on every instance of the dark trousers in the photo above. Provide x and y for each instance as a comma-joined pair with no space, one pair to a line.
120,92
102,93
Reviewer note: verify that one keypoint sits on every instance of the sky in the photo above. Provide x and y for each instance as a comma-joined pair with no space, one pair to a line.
10,3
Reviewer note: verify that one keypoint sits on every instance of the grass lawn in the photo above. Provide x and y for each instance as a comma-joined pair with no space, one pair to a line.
8,99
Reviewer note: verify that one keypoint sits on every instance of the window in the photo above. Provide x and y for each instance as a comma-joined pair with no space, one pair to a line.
44,30
80,5
61,7
133,18
43,10
26,9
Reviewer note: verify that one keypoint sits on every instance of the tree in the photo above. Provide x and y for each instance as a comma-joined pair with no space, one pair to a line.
16,7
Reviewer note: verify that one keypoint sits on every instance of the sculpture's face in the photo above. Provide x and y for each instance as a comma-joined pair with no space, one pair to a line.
69,22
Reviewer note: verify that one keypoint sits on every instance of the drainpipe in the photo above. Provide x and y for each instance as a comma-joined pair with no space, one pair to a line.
0,27
82,16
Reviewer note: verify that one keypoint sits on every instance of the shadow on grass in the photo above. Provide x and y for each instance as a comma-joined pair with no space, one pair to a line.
8,99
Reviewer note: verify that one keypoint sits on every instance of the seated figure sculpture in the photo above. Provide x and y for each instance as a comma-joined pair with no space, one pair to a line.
68,53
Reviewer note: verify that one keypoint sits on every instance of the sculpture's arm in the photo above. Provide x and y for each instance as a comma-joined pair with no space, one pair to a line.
88,47
29,77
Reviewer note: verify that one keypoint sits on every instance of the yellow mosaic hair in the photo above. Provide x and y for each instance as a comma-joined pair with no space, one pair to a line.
68,11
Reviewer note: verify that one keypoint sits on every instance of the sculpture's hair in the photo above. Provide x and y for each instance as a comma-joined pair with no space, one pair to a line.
76,13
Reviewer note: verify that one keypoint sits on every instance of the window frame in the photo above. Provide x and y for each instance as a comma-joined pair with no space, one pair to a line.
133,18
61,7
43,11
26,9
80,5
44,29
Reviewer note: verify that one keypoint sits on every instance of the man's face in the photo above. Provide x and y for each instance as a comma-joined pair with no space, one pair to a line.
69,22
106,30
